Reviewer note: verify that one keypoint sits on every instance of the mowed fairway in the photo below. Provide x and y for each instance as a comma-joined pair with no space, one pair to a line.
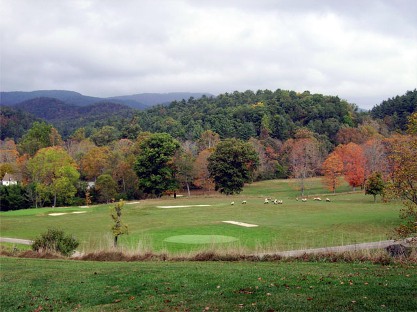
197,223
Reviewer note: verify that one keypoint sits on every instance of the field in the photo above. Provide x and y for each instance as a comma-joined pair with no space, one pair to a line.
189,224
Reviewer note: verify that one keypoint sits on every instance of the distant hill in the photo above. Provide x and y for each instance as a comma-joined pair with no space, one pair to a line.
396,110
151,99
138,101
67,118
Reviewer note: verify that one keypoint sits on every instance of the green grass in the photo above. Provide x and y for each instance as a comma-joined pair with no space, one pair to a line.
57,285
348,218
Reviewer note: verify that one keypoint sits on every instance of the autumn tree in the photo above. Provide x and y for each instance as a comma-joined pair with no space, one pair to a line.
154,165
54,173
202,175
403,181
123,159
332,171
184,162
231,165
375,155
304,156
95,162
353,164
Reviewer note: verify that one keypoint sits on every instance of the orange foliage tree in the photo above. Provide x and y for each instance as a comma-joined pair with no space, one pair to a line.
332,170
353,164
202,175
403,183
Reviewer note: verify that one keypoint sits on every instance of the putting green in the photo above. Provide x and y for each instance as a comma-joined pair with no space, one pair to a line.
200,239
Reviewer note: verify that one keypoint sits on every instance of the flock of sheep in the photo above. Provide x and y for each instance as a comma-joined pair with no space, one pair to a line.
279,201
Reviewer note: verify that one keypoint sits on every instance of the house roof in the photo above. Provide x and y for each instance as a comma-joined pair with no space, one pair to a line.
9,177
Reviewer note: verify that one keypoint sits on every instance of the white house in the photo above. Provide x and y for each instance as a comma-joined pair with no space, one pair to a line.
8,179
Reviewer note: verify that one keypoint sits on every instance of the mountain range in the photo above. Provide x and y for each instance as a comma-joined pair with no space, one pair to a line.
138,101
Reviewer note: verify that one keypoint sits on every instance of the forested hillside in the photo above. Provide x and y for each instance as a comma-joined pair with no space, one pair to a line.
395,111
248,114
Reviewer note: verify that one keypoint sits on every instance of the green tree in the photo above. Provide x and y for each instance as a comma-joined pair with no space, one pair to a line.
154,165
54,173
232,165
41,135
106,188
105,135
374,185
118,227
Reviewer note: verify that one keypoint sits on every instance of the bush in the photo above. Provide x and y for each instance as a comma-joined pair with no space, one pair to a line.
55,241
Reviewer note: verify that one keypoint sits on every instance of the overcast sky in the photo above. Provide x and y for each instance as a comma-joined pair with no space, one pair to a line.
364,51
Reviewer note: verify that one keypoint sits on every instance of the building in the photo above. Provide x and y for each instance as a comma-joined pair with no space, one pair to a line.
8,179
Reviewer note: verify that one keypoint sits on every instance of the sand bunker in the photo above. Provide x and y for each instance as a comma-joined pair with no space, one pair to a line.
241,223
200,239
182,206
55,214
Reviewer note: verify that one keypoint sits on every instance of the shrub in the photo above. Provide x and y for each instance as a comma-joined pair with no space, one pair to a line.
55,240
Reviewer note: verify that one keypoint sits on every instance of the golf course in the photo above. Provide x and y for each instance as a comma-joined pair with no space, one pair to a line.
206,222
186,226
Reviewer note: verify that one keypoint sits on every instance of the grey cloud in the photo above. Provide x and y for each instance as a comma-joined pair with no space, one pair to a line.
359,50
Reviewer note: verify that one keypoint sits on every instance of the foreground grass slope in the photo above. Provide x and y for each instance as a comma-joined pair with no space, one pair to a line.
349,218
57,285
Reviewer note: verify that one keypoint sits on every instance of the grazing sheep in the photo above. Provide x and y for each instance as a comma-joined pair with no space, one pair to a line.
232,203
328,199
244,202
275,201
280,202
317,198
266,201
303,200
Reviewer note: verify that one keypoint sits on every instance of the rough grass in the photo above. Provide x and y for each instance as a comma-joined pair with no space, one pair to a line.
56,285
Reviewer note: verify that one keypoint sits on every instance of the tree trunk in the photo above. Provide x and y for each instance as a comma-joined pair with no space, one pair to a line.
115,240
188,189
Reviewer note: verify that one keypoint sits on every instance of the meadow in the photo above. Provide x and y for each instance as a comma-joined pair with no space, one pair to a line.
188,224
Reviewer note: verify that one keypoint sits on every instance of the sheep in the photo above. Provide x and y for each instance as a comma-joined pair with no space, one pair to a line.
232,203
266,201
303,200
275,201
280,202
243,202
317,198
328,199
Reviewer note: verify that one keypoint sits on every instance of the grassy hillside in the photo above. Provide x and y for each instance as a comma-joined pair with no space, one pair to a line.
193,223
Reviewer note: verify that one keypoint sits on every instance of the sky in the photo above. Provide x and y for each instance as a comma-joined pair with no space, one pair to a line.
364,51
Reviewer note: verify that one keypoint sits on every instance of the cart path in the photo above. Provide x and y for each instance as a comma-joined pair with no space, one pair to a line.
290,253
16,241
353,247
